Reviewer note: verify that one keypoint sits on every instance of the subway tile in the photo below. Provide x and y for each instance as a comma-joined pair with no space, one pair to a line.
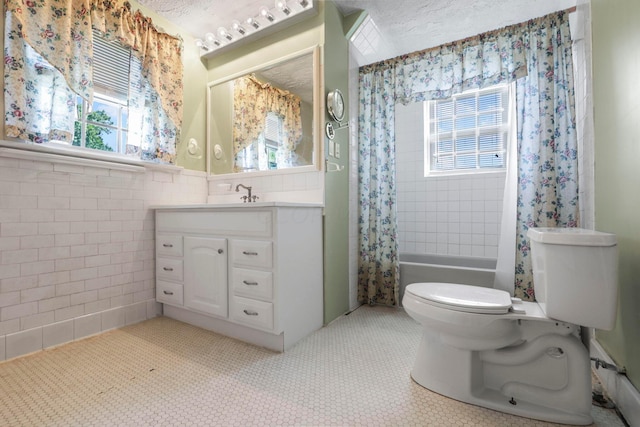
69,239
18,256
68,264
67,313
112,319
18,202
9,326
8,229
84,274
18,310
83,203
18,282
23,342
83,251
9,298
52,202
88,325
70,288
53,253
57,333
123,300
69,191
97,306
38,241
53,278
9,215
83,297
36,320
36,215
54,303
37,267
48,228
3,354
37,294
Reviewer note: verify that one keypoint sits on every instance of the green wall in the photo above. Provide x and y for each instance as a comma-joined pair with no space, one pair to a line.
336,220
616,81
195,81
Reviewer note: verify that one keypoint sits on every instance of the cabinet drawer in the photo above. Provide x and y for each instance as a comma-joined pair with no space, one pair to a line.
169,269
252,253
169,244
169,293
252,312
252,283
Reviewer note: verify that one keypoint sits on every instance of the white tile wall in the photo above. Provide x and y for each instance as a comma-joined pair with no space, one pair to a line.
353,180
77,248
287,186
448,215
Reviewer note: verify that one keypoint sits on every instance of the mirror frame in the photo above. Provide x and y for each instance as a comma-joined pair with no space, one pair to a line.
318,106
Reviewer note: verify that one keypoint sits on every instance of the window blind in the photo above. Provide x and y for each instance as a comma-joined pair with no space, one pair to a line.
111,63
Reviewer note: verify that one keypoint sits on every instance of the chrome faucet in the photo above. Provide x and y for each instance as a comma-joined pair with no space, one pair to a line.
248,198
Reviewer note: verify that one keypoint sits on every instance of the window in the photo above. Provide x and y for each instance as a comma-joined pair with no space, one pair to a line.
468,132
103,125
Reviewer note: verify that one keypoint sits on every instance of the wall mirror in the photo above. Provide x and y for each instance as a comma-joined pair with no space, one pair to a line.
265,119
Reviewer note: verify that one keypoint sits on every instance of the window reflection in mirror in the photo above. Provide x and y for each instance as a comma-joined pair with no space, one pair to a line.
263,120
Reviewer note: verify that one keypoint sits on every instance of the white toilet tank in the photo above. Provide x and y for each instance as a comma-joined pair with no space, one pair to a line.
575,275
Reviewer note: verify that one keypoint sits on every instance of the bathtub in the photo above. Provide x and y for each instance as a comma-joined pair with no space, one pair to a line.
445,268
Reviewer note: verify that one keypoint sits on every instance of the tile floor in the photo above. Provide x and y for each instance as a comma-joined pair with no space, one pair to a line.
163,372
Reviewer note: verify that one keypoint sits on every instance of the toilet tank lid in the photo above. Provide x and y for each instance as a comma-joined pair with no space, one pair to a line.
571,236
472,299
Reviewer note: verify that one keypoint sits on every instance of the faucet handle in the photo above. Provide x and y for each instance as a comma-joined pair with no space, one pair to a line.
244,199
254,198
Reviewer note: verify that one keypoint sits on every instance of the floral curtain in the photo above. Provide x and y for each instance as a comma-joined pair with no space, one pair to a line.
378,268
540,49
547,142
252,100
60,31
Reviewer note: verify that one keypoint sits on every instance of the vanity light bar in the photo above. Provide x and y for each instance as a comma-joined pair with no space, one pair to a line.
281,15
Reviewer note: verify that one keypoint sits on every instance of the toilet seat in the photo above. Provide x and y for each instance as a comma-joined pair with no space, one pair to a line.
465,298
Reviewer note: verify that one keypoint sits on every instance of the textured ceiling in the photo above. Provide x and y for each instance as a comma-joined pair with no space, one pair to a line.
405,25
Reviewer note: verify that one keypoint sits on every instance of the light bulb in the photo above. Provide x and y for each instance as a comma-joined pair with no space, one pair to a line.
282,5
266,14
200,43
222,32
253,23
209,37
238,28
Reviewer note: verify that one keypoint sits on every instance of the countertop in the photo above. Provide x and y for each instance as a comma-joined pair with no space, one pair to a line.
252,205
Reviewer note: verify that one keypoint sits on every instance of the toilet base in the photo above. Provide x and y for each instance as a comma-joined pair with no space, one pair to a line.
531,380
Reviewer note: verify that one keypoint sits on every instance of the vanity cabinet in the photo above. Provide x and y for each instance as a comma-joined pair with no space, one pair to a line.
250,272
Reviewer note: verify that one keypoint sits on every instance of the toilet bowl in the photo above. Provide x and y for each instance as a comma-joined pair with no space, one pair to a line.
483,347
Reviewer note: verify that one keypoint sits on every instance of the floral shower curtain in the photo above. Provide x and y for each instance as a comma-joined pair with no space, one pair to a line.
547,142
60,34
538,48
252,100
378,268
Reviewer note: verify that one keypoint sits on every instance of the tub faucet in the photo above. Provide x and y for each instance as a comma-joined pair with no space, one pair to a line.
248,198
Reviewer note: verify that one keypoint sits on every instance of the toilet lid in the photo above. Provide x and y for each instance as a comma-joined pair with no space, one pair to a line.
472,299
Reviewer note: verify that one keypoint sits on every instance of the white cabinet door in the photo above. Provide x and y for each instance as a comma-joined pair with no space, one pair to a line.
205,275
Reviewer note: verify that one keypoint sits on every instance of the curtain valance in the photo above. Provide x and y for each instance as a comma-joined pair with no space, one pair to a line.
485,60
60,32
252,100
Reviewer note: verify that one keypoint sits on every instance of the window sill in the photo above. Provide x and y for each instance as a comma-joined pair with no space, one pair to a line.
465,173
76,157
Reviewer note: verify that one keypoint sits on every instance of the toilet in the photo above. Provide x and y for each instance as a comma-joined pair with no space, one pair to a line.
481,346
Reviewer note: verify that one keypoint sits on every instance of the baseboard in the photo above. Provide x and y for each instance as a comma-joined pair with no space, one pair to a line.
618,387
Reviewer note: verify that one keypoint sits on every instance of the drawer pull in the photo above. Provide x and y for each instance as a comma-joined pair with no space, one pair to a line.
167,268
249,253
167,245
250,313
250,283
167,292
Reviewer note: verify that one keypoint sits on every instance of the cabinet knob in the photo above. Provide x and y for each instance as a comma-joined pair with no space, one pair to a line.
167,245
220,251
249,253
167,292
250,313
167,268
